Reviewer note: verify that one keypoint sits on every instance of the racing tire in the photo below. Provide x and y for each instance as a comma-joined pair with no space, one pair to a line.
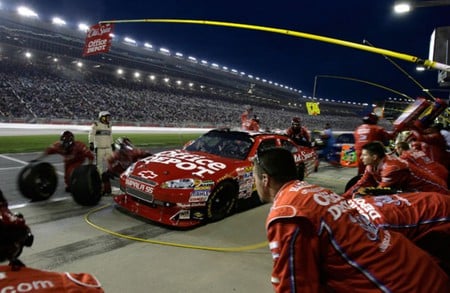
86,185
352,182
37,181
301,172
221,202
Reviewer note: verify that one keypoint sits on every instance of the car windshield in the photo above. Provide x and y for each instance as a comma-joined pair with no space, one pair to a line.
229,144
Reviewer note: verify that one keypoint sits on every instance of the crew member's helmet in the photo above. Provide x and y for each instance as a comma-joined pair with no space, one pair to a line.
255,118
296,122
124,143
14,233
104,117
67,139
372,118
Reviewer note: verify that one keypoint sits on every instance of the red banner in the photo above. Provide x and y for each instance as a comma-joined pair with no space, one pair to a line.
98,39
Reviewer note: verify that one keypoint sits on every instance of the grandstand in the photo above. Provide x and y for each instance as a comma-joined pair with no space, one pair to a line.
53,87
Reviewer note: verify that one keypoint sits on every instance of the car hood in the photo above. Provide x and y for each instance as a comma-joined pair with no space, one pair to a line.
180,164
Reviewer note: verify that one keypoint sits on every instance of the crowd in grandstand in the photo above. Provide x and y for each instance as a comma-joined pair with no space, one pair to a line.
32,92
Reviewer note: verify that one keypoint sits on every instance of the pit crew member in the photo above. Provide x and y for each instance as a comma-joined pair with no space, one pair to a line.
298,133
384,170
124,155
101,140
319,246
369,131
16,277
74,153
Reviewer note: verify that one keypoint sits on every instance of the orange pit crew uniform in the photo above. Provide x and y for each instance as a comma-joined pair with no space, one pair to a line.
400,175
423,161
366,133
75,157
32,280
318,245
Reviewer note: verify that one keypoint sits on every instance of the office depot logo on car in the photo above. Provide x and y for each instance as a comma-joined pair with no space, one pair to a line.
199,165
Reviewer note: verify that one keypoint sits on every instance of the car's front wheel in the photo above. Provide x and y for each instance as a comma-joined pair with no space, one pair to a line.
221,202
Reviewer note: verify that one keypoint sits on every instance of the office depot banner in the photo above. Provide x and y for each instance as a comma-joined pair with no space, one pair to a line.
98,39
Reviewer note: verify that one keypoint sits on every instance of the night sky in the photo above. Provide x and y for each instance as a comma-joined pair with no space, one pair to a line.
291,61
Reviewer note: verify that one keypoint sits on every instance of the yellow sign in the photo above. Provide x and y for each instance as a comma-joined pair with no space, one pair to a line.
313,108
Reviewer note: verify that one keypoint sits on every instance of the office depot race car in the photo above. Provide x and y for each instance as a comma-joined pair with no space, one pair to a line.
207,180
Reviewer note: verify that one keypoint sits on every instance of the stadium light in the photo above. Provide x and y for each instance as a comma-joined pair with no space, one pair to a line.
152,77
164,51
83,27
402,7
148,46
27,12
28,55
420,68
137,74
129,41
58,21
119,71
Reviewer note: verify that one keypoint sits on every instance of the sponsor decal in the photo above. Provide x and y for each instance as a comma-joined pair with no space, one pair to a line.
32,286
203,185
303,156
198,216
147,174
181,215
198,204
138,185
184,214
199,196
198,165
364,216
200,193
394,199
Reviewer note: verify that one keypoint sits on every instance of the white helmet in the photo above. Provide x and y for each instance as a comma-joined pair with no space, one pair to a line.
103,113
103,117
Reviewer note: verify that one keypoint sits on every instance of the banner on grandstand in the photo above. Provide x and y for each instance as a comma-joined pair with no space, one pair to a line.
98,39
313,108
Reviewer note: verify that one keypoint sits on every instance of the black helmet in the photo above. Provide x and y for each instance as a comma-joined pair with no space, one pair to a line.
296,122
67,139
14,233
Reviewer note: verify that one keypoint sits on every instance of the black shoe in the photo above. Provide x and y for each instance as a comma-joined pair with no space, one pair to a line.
68,189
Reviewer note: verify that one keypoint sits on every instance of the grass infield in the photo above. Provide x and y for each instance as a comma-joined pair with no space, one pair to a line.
38,143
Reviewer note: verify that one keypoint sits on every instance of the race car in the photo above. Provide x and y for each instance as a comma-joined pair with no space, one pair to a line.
206,180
